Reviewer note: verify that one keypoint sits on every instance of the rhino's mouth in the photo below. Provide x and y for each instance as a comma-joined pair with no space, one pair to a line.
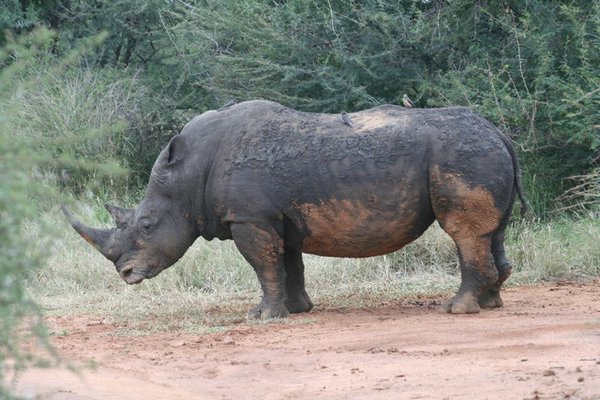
133,276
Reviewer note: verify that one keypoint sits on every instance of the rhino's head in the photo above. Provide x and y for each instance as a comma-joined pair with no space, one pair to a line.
153,236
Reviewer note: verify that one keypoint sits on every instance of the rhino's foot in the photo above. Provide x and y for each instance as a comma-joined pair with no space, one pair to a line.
267,310
298,302
490,299
462,303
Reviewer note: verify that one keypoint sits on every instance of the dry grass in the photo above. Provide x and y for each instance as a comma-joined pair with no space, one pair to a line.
213,285
563,249
584,194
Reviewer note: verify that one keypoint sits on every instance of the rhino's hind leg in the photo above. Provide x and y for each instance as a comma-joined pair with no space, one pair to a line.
469,214
262,247
478,275
297,299
491,298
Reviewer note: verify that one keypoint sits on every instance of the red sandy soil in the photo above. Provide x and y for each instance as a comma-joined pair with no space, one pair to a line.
544,344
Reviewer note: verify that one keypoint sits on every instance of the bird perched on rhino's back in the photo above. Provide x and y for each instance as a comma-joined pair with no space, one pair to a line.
347,120
230,103
407,102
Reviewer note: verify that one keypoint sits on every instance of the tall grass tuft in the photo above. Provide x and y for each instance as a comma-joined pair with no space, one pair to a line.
561,249
86,113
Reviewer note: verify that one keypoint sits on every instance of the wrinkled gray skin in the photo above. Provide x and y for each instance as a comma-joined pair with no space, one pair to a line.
281,182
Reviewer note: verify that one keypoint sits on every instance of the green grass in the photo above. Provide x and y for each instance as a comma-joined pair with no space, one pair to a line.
212,286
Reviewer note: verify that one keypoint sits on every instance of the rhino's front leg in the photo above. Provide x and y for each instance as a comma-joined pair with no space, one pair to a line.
262,247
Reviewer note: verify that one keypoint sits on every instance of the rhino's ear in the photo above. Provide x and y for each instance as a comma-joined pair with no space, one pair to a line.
176,150
121,216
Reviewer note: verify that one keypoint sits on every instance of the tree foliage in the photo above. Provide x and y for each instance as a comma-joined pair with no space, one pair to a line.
531,66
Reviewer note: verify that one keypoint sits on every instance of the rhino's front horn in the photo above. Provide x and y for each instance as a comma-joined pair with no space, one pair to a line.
99,238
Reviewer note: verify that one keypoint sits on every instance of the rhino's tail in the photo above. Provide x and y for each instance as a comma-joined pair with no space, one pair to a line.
517,171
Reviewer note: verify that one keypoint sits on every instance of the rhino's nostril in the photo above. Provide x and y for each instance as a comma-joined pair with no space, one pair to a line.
126,271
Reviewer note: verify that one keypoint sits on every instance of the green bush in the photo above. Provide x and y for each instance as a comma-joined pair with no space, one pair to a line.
37,140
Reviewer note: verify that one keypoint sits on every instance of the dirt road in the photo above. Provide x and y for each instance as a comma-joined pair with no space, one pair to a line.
544,344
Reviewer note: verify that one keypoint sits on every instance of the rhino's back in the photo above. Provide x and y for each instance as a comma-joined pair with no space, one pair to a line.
387,144
262,133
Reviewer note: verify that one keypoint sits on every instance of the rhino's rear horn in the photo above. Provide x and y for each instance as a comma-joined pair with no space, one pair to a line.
121,216
99,238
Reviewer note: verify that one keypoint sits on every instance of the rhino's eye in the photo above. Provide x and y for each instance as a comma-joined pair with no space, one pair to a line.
146,226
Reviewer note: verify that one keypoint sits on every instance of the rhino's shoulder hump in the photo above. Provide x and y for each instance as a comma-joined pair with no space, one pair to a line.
259,105
241,111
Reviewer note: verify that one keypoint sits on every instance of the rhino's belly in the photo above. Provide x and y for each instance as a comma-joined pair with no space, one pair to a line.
343,228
